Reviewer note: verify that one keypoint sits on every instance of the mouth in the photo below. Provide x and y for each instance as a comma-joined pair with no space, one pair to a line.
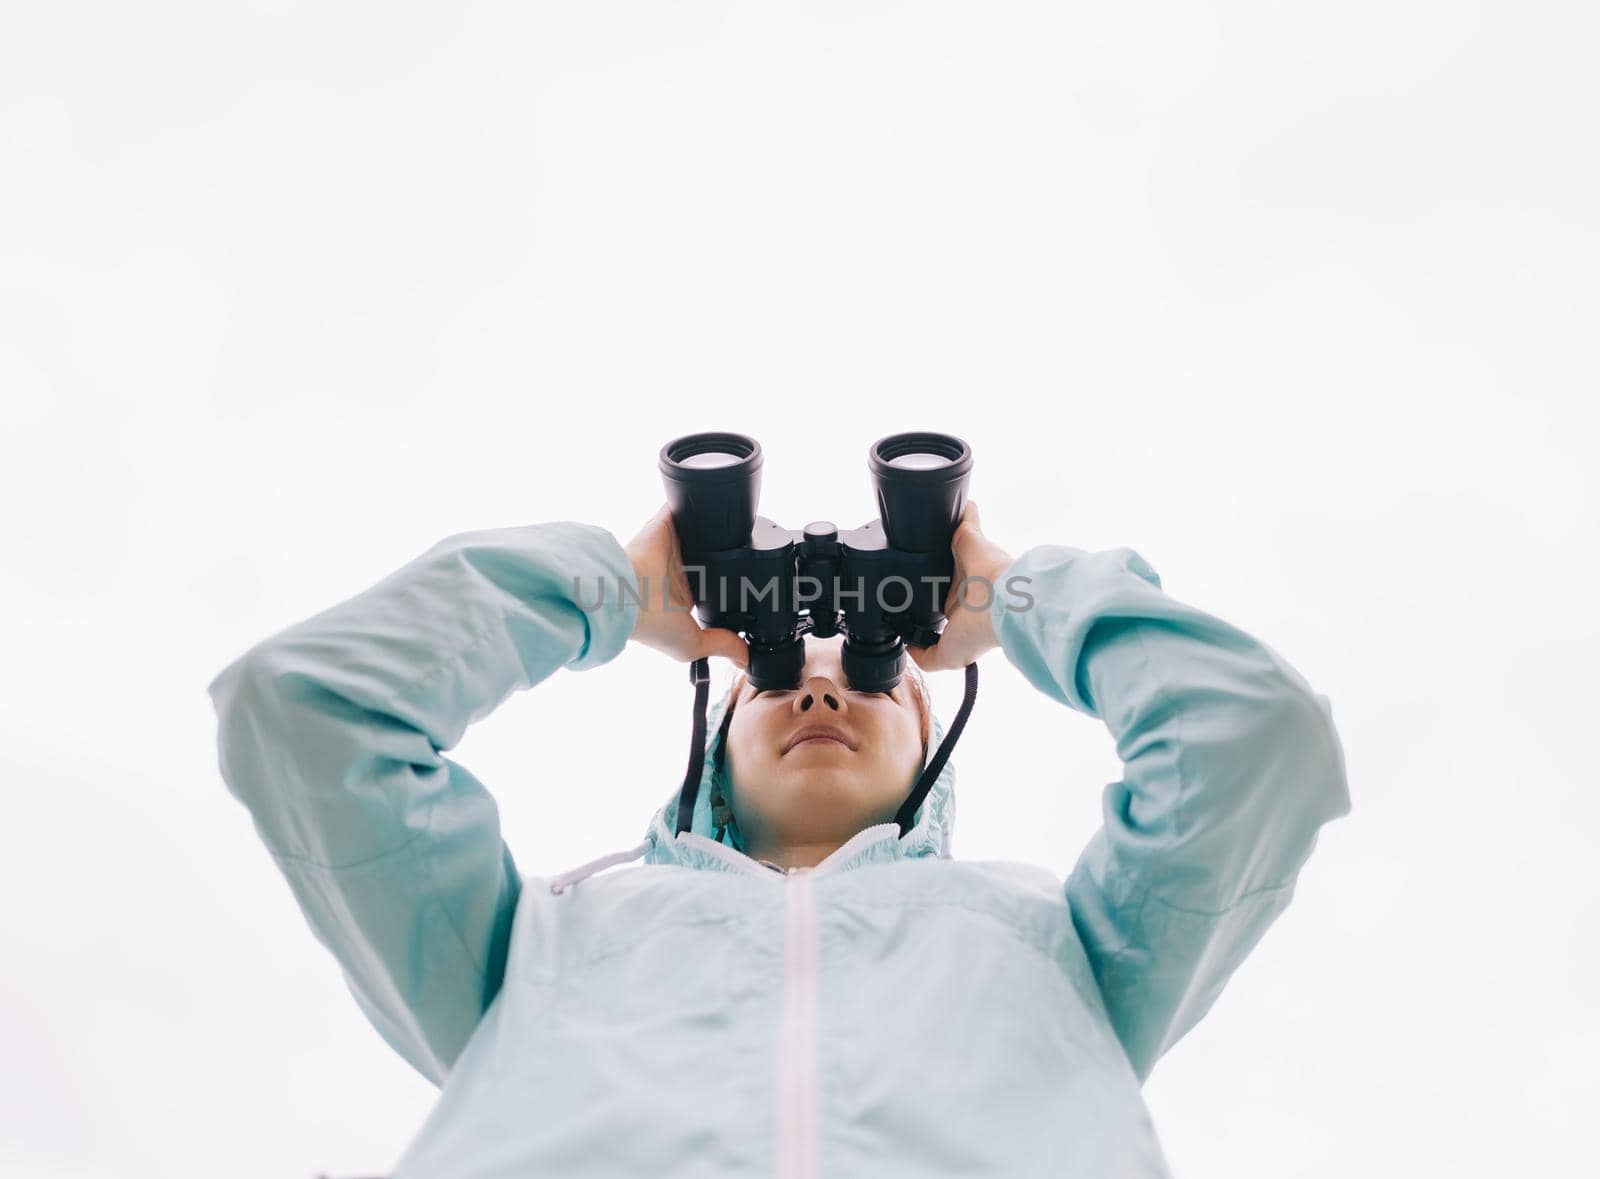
818,734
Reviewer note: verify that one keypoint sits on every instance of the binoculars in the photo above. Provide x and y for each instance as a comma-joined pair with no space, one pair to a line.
883,584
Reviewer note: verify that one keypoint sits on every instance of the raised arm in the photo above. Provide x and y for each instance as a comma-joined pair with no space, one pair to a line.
331,734
1231,763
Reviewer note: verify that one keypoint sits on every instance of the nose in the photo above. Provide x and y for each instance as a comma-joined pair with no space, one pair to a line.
819,691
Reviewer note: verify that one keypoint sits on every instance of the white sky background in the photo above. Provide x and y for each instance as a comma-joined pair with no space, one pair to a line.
1298,301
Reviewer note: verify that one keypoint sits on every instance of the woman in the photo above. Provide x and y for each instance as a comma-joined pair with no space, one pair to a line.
791,987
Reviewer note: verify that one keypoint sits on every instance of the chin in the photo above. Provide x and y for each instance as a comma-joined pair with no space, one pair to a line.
830,778
836,789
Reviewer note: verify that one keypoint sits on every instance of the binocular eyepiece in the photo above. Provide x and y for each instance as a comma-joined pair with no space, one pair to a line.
882,585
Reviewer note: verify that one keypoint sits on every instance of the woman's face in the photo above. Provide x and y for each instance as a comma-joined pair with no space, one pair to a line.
789,794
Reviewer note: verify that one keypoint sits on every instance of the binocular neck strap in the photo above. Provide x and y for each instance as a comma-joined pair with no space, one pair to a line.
700,676
930,773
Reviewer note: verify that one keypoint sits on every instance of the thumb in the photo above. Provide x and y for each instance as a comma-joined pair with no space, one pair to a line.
728,645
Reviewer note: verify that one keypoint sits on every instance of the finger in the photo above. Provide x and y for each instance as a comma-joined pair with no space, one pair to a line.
969,521
725,644
654,522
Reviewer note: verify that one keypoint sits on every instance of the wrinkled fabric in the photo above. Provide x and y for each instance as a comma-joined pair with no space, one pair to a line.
895,1011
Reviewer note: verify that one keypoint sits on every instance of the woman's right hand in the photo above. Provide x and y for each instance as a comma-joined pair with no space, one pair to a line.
968,630
672,628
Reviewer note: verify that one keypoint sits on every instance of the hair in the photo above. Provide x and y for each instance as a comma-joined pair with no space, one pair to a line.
722,811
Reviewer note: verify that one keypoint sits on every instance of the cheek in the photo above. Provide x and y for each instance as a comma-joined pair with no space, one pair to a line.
749,756
900,738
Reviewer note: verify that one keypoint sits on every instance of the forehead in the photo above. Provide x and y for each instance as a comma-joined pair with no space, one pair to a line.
824,656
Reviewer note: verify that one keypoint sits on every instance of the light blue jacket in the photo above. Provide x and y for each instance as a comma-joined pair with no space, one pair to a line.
893,1011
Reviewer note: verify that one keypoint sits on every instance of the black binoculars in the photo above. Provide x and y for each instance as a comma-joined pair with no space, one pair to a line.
883,585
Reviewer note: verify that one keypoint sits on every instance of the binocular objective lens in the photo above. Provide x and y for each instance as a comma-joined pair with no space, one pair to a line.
708,459
918,461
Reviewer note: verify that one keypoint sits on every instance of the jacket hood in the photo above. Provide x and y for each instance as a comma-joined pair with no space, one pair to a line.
929,834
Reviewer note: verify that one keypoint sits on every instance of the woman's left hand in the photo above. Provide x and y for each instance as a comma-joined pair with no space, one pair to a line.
969,629
671,627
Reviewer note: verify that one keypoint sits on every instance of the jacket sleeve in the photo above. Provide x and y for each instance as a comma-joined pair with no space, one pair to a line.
1231,764
331,733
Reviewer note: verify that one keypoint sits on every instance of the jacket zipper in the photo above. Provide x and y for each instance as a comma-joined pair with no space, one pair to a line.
797,1059
798,1128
